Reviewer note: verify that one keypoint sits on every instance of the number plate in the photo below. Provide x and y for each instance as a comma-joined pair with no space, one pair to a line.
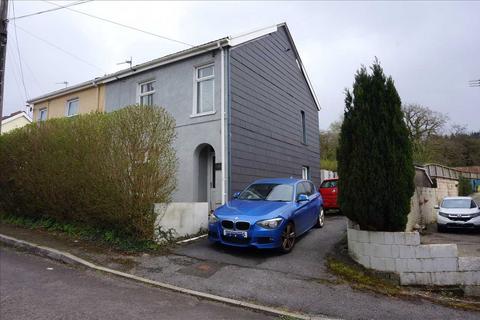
235,234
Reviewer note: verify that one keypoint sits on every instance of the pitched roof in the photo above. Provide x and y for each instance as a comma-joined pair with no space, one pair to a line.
229,41
11,115
471,169
14,115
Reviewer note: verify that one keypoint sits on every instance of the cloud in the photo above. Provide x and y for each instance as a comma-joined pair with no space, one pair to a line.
430,49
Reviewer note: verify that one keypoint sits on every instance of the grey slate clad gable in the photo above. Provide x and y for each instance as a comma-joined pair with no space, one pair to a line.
267,94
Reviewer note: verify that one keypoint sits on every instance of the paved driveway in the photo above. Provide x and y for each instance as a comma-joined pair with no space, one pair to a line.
307,259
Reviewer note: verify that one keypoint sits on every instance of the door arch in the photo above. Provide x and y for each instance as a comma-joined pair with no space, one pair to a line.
206,178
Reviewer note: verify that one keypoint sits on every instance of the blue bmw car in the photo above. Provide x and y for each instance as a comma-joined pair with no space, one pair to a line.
268,214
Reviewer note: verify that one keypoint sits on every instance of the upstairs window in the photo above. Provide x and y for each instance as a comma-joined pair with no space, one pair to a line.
72,107
304,128
145,93
42,114
204,89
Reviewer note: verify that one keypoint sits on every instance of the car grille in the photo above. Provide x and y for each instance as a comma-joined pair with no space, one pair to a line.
463,225
227,224
459,218
239,225
236,240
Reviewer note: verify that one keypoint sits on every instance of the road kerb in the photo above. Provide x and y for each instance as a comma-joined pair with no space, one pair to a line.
71,259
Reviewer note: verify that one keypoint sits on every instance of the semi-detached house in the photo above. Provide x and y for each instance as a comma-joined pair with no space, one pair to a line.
244,110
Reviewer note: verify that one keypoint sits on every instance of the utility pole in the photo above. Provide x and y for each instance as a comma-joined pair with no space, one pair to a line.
3,50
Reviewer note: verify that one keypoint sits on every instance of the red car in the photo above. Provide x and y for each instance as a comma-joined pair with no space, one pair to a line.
329,191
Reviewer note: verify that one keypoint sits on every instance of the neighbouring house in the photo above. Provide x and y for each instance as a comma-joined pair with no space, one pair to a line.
244,109
15,120
85,97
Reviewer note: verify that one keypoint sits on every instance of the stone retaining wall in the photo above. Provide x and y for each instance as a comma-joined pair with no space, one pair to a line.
416,264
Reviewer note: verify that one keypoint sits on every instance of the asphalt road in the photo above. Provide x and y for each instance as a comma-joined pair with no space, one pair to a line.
35,288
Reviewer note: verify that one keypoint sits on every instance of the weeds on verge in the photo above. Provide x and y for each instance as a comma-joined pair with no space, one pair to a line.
108,237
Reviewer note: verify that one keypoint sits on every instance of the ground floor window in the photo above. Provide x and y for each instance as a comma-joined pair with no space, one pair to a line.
305,173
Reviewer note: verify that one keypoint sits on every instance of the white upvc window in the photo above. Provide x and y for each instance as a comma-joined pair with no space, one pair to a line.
145,93
72,107
204,90
305,173
42,114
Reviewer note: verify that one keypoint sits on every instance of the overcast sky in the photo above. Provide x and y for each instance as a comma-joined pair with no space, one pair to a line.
431,49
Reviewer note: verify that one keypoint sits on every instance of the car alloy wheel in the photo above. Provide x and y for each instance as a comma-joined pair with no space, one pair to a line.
321,219
288,238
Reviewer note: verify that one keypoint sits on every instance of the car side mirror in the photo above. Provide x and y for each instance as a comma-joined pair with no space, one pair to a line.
236,195
436,207
302,197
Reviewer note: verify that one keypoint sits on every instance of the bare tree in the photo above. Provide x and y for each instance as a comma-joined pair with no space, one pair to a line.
423,124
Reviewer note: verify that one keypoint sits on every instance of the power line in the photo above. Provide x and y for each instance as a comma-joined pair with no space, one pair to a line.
18,51
121,24
14,72
29,69
60,49
49,10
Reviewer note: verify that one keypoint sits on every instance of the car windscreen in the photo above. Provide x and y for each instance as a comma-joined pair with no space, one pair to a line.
329,184
267,192
458,203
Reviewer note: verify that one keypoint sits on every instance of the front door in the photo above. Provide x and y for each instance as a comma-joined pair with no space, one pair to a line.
214,187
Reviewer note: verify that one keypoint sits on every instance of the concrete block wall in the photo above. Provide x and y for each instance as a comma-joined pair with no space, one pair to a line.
424,199
419,264
422,205
446,188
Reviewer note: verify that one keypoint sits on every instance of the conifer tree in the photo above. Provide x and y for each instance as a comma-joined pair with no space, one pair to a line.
375,154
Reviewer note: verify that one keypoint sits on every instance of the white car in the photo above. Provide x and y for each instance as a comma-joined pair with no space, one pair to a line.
458,212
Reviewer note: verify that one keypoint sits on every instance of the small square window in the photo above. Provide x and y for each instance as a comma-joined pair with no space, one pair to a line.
42,114
72,108
145,93
205,72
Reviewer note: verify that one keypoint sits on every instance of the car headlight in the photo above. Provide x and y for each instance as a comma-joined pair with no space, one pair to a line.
270,223
212,218
443,214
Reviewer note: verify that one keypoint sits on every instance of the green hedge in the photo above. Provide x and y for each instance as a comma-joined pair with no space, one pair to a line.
103,170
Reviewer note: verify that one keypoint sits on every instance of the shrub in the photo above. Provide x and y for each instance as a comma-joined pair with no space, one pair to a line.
103,170
465,188
375,155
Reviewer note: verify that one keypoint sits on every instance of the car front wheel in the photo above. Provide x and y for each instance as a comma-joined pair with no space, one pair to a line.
288,238
321,219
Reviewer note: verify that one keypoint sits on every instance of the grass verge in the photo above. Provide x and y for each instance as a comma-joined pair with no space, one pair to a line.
109,238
